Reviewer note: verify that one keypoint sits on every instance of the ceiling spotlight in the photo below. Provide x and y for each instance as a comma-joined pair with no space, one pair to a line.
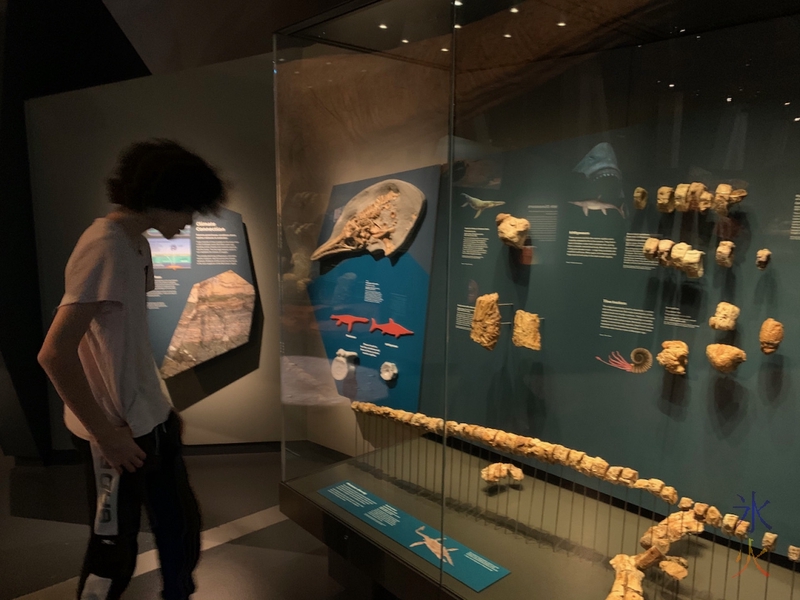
445,49
405,41
671,85
786,103
796,119
456,26
698,37
281,59
514,9
729,99
506,35
383,26
297,72
561,24
682,30
458,3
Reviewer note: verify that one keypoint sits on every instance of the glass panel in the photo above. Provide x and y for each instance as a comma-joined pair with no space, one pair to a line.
363,123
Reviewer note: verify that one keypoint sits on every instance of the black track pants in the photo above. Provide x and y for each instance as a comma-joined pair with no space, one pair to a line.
115,501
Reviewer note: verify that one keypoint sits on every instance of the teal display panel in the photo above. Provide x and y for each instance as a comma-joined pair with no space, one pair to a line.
467,566
376,306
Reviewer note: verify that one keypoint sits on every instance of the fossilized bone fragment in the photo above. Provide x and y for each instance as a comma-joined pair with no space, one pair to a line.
769,541
670,530
729,522
685,503
629,476
498,471
693,264
677,568
794,554
714,517
665,252
742,527
674,357
682,197
700,510
725,358
650,248
613,474
378,219
648,558
724,254
770,336
725,317
677,254
640,198
763,257
627,580
705,201
526,330
561,454
669,494
695,194
726,196
512,231
486,321
665,199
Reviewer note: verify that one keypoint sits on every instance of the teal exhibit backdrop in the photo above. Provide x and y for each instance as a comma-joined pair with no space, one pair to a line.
730,440
211,257
372,295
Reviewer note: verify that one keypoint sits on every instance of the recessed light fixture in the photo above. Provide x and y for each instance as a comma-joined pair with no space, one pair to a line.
729,99
682,30
327,63
405,41
458,3
514,9
506,35
445,49
698,37
297,72
796,119
456,26
561,24
281,59
671,85
786,103
383,26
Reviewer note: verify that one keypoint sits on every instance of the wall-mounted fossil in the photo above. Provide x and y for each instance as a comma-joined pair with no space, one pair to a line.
388,371
665,199
681,256
486,321
526,330
725,317
724,254
725,196
674,357
770,336
650,248
763,257
640,198
378,219
512,231
682,197
725,358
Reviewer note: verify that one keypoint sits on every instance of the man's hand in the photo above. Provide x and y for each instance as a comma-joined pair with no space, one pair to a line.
120,450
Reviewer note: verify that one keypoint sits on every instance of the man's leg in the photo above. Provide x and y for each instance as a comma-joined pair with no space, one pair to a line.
173,510
114,516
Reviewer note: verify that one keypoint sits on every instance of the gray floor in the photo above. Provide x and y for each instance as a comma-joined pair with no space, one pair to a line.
42,537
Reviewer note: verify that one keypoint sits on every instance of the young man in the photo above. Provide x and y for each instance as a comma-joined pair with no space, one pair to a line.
97,354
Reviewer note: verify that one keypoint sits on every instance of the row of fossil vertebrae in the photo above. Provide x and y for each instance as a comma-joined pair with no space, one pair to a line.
691,197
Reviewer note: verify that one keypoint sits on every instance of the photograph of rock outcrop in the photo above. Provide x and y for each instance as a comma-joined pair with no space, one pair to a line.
217,317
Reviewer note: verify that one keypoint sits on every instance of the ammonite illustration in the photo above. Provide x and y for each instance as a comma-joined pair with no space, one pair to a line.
641,361
378,219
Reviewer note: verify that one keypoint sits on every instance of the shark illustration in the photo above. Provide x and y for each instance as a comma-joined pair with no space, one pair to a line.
598,204
390,328
348,320
600,161
479,205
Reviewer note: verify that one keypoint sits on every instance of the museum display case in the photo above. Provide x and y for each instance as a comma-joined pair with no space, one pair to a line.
537,271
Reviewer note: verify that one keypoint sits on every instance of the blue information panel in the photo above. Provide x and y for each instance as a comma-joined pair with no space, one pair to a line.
469,567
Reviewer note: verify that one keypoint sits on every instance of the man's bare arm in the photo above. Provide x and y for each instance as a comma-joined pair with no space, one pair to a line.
59,358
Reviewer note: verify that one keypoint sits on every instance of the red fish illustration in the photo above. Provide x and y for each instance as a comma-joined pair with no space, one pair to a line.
390,328
348,320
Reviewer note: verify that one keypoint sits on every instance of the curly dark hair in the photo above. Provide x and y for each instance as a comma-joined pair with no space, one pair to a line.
160,173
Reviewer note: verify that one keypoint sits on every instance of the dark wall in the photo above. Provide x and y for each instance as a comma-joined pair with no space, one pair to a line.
51,46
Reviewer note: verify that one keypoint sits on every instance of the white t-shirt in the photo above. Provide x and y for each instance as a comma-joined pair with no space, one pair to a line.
108,266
